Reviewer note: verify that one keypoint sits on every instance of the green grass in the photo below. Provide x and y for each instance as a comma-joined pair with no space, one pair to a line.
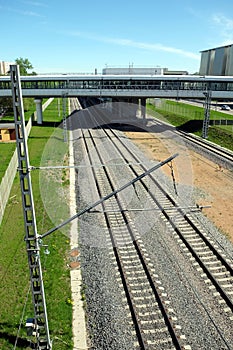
7,149
194,112
29,108
6,152
14,272
190,118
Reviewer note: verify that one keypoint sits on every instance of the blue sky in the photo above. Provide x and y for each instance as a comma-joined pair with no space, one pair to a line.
79,36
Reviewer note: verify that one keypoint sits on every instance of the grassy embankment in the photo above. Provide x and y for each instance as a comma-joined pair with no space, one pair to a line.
14,272
190,118
7,149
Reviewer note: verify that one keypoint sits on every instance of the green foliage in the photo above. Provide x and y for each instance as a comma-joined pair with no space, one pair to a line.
24,66
28,104
6,102
6,105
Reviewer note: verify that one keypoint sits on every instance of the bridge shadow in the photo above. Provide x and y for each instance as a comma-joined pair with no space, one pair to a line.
97,118
191,126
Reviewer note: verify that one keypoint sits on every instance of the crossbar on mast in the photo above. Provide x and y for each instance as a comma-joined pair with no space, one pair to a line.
101,200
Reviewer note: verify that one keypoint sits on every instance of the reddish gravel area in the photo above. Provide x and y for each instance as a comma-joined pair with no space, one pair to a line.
213,184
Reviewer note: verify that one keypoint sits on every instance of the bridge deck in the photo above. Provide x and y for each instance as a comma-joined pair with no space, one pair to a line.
183,86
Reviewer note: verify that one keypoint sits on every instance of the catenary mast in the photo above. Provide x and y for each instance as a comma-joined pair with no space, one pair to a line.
39,324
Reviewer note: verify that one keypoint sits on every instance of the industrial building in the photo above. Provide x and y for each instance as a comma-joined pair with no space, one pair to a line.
132,70
140,71
217,61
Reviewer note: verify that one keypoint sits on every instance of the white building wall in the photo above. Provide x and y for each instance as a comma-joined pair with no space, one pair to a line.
5,67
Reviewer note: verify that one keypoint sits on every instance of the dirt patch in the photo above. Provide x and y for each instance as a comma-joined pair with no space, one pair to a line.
212,184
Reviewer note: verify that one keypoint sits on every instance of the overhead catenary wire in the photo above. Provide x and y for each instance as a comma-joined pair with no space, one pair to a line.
192,209
82,166
87,209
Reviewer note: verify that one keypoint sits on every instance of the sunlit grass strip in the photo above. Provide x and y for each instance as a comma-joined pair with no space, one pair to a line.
6,152
14,272
194,112
222,136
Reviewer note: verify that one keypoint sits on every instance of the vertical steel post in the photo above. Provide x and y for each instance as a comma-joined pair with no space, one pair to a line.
64,114
207,114
40,321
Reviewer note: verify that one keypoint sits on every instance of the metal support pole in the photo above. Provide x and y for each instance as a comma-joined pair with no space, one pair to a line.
39,324
206,120
64,114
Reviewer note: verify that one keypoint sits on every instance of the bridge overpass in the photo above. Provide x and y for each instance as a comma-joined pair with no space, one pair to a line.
122,86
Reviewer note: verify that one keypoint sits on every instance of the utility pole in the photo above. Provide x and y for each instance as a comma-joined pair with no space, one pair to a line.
64,114
206,120
38,325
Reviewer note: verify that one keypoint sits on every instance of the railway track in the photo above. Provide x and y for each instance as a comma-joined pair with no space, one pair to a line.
155,323
213,149
209,256
209,148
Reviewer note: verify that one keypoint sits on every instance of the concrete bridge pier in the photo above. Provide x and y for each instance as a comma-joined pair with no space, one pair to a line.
143,109
128,109
39,113
116,110
138,108
134,107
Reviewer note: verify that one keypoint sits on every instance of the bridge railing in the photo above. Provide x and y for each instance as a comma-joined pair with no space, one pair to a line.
151,86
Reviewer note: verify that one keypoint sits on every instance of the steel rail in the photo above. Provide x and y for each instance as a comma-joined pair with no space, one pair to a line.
190,222
178,344
177,341
205,144
214,149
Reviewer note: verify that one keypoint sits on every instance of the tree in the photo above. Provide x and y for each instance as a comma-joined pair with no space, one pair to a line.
6,105
24,66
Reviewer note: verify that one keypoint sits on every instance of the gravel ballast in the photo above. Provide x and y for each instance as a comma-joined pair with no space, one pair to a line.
199,313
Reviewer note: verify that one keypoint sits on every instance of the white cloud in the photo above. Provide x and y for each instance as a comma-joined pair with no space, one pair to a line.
224,25
137,44
21,12
35,3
